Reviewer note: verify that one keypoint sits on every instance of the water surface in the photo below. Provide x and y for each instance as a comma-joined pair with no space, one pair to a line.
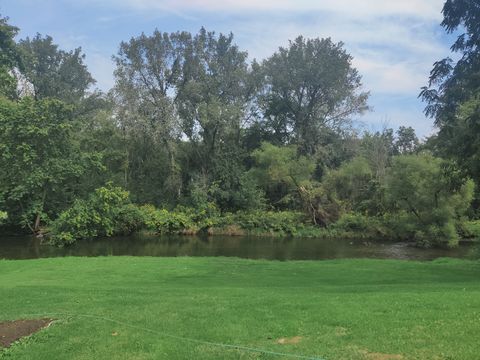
27,247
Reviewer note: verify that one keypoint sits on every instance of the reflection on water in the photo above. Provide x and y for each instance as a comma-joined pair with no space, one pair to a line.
26,247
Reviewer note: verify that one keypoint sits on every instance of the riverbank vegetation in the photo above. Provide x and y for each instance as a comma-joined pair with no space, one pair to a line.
128,307
196,137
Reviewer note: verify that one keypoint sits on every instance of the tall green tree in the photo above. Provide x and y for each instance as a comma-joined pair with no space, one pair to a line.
310,86
147,71
434,197
355,186
406,141
9,58
101,140
39,162
378,148
454,88
213,93
52,72
281,173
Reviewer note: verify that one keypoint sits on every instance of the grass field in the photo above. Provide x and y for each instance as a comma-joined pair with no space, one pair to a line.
345,309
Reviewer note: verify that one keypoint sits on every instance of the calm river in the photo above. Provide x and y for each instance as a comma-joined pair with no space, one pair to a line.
26,247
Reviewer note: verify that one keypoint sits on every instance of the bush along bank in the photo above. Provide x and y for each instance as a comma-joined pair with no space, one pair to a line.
108,212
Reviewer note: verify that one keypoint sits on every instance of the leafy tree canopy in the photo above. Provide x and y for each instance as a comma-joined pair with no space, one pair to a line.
9,58
454,88
52,72
310,86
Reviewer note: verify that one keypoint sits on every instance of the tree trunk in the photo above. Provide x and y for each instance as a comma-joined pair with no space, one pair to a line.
36,226
38,218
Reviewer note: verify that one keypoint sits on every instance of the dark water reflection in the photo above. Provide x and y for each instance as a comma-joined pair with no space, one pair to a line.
25,247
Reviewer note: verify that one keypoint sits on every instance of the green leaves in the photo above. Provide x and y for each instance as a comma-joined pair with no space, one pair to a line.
107,211
9,59
452,96
3,216
52,72
37,156
354,184
309,87
419,186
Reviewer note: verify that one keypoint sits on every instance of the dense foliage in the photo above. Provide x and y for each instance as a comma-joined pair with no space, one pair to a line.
195,138
453,94
3,216
39,160
106,212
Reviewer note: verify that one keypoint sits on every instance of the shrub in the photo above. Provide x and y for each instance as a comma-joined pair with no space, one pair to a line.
286,222
149,214
399,226
204,217
365,226
182,220
81,221
362,226
434,195
470,229
3,217
434,235
129,219
352,222
63,238
353,184
170,222
106,212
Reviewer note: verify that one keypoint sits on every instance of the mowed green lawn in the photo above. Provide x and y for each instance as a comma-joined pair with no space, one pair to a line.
345,309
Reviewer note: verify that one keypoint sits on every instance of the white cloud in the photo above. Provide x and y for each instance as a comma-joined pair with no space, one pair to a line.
393,56
394,42
385,74
419,8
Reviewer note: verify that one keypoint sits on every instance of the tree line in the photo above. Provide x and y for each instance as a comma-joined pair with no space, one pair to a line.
192,126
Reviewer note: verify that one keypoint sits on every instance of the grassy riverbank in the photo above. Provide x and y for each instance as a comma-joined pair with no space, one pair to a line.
349,309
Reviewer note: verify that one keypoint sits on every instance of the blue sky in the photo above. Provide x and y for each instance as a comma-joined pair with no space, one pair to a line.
394,43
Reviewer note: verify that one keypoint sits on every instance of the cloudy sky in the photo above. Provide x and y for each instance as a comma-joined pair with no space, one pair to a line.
394,43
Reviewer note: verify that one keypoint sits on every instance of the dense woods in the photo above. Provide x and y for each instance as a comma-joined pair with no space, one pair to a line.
197,137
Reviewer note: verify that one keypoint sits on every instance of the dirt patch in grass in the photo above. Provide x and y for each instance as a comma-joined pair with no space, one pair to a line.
292,340
11,331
